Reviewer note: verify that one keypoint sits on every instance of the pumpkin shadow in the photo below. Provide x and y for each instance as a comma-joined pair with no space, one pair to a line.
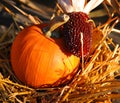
60,41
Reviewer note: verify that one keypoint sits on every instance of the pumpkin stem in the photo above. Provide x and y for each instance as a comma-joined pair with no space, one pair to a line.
55,23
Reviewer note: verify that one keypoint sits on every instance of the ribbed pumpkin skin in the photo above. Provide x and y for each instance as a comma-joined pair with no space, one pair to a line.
39,61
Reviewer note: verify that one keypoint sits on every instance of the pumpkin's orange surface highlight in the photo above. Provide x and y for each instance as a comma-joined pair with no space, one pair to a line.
38,60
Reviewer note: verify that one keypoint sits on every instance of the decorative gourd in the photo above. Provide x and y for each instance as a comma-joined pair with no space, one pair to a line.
41,61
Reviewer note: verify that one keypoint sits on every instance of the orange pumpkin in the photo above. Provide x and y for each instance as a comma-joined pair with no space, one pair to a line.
40,61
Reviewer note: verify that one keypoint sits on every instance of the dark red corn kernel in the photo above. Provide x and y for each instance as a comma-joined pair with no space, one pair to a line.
78,23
